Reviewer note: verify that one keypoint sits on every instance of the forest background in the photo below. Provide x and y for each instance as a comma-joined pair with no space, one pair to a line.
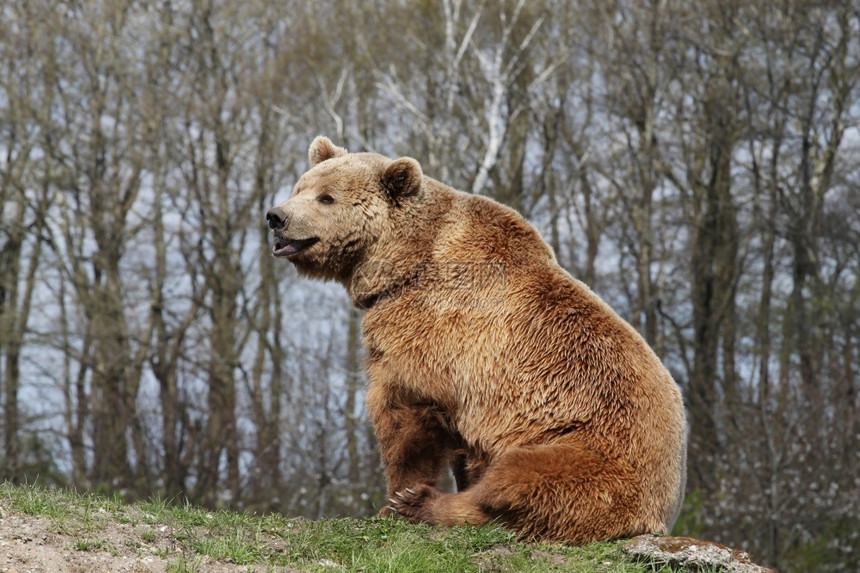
696,162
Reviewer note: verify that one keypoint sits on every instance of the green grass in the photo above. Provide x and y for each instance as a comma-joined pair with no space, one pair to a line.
186,536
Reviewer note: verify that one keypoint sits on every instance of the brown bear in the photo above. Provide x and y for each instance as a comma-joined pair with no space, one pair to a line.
483,355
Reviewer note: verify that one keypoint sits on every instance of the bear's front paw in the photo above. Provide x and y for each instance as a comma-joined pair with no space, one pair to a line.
413,503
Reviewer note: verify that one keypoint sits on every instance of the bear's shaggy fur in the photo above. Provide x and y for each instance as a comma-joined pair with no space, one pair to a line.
554,415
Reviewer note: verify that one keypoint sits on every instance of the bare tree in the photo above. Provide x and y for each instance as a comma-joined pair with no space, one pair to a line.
25,202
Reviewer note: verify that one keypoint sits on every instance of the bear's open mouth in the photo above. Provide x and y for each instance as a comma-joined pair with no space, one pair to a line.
286,247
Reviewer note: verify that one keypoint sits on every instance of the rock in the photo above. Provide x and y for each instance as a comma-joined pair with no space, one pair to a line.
691,553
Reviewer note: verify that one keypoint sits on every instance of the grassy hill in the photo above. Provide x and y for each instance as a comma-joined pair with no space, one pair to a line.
55,530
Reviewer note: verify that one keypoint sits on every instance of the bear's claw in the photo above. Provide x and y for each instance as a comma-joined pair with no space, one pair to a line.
412,503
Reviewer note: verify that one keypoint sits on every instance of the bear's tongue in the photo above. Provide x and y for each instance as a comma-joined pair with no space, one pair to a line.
284,247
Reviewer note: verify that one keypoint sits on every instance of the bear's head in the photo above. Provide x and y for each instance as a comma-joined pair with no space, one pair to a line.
342,209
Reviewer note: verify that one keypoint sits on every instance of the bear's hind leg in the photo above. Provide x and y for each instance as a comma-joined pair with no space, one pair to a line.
554,492
428,504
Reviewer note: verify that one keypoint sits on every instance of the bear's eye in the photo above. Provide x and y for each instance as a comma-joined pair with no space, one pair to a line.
325,199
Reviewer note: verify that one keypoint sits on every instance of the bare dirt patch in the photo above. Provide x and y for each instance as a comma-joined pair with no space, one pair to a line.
36,544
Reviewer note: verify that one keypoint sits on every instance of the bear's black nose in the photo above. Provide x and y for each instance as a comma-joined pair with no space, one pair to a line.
277,218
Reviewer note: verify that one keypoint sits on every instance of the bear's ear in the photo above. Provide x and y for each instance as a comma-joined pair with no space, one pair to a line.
322,148
402,179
